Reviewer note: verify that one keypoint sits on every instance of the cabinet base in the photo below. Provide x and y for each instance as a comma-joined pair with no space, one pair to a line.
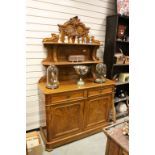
50,145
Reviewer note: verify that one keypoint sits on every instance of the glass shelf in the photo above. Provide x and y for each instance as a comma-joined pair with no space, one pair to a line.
121,114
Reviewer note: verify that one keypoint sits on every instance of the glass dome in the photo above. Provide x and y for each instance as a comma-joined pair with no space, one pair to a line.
101,70
52,77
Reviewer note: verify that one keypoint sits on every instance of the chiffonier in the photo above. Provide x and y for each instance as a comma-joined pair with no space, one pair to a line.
72,112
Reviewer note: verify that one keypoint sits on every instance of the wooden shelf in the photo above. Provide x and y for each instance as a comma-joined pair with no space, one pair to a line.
121,41
47,63
121,83
119,16
117,99
123,16
115,65
113,45
71,44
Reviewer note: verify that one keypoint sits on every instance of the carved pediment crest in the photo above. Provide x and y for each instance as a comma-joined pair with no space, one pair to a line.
74,27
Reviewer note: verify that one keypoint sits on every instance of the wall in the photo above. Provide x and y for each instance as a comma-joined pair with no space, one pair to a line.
42,19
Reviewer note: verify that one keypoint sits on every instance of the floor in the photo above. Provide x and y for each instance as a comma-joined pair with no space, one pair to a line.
92,145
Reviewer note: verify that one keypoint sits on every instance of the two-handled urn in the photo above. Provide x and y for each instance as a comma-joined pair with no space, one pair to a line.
81,70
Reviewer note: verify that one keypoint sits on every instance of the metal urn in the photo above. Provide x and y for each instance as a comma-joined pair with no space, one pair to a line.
100,73
81,70
52,77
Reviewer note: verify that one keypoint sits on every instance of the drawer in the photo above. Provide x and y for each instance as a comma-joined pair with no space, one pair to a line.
61,97
99,91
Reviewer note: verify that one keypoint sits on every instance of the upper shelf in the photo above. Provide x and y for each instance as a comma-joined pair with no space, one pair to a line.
59,53
71,44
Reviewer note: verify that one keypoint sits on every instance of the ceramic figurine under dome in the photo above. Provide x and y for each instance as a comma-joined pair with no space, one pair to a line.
100,73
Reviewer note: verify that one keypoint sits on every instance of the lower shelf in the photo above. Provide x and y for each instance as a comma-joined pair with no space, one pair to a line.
122,114
121,83
117,99
118,116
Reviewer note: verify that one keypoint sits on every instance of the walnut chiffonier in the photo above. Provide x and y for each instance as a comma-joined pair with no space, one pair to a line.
72,112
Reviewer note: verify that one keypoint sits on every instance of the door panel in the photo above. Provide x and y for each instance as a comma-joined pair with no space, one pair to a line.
66,119
97,110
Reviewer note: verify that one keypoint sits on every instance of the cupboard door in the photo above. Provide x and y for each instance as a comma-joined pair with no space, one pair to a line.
65,119
97,110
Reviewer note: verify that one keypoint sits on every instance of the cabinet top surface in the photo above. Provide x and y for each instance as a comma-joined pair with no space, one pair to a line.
72,86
